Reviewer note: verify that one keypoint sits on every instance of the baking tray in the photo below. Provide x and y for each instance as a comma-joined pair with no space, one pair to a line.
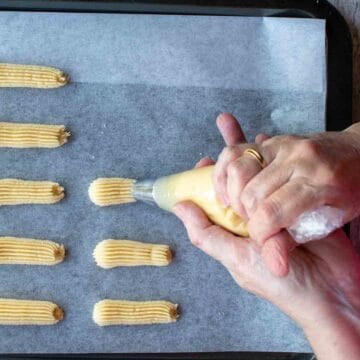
338,98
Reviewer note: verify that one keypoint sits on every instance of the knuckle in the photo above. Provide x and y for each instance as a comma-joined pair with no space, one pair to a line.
236,179
234,169
218,178
227,153
247,198
231,153
289,138
309,148
270,211
282,141
196,240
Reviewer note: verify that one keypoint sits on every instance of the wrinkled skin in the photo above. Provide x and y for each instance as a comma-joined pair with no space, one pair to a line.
321,169
316,284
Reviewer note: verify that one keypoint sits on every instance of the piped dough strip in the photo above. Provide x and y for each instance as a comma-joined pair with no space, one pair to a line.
112,253
24,251
111,191
19,135
29,312
31,76
122,312
16,192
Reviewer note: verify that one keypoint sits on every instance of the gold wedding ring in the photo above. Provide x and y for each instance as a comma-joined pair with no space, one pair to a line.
256,155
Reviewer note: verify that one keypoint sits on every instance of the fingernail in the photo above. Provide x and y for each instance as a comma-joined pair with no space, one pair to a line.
221,118
275,262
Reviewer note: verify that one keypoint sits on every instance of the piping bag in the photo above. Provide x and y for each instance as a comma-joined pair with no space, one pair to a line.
196,185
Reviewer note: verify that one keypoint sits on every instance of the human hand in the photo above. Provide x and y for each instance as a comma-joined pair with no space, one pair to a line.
301,174
321,291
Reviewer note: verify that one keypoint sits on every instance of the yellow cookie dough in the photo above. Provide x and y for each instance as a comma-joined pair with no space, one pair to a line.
17,135
32,76
112,253
122,312
196,185
29,312
16,192
30,251
111,191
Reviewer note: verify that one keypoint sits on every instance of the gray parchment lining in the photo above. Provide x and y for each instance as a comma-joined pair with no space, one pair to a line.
144,97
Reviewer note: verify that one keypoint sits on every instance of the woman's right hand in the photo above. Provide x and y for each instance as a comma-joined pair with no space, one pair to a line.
301,174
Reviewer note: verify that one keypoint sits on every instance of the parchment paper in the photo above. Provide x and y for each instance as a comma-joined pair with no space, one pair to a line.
144,95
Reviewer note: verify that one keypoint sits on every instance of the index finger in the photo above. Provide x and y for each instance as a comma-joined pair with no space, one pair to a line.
230,129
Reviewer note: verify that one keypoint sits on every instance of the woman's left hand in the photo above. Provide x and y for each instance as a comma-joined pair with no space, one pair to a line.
321,291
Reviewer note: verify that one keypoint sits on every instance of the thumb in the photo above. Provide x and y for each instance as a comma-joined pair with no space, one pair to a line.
220,244
275,253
